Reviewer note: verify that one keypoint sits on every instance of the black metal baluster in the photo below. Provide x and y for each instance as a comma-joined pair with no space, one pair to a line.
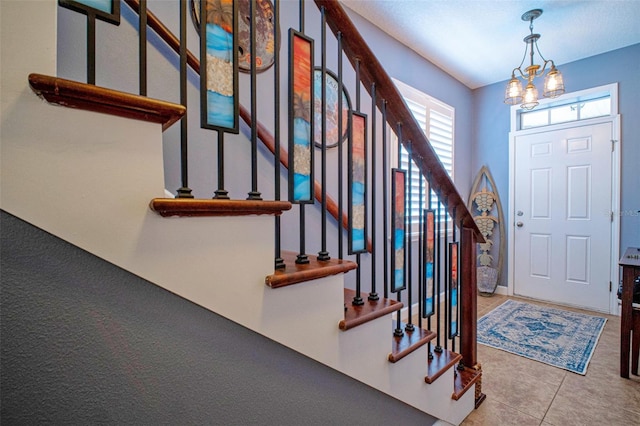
358,84
398,332
91,48
373,295
323,254
279,261
385,200
142,61
357,299
409,261
446,274
430,353
460,287
436,267
254,194
184,191
421,277
454,318
221,193
302,257
340,151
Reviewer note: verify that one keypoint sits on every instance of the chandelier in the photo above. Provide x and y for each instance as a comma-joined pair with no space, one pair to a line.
553,84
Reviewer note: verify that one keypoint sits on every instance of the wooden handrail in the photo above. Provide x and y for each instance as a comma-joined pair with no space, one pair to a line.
416,143
372,73
263,134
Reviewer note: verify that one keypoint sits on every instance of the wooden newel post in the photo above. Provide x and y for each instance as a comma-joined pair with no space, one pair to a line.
469,309
469,312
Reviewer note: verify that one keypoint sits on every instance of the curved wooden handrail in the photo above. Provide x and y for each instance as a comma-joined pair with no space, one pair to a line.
416,143
263,134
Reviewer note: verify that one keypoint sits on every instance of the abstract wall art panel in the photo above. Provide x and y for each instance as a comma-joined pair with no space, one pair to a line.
300,118
429,261
331,109
453,290
219,69
267,37
398,208
105,10
358,183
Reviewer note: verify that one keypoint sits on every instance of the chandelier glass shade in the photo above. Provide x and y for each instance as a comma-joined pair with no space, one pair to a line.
553,82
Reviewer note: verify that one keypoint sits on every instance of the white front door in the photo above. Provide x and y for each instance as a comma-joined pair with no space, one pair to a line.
562,216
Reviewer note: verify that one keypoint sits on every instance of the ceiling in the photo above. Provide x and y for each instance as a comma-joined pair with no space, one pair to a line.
479,42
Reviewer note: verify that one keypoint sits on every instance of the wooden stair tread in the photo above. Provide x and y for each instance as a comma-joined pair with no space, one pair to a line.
90,97
409,342
370,310
294,273
464,380
440,363
188,207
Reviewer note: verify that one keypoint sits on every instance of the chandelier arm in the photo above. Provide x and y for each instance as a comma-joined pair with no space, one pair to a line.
513,73
524,57
545,63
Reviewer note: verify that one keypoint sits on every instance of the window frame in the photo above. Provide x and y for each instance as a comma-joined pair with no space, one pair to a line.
575,105
431,105
610,90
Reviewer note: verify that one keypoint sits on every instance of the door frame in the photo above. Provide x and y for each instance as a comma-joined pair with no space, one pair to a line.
614,119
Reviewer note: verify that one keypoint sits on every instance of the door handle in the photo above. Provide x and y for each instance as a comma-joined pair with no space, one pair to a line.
519,224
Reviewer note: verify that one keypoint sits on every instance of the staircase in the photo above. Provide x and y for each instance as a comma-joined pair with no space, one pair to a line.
87,174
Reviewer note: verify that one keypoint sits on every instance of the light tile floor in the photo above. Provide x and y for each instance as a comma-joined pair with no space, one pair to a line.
525,392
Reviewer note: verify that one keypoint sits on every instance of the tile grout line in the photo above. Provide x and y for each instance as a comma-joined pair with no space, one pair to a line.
554,397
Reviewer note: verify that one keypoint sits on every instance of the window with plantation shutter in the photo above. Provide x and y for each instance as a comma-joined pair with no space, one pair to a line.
436,119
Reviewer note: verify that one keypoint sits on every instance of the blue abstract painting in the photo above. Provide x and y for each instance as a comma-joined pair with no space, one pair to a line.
398,234
358,184
428,289
453,290
219,73
301,119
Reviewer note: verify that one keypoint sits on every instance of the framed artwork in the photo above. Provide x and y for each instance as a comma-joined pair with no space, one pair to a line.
105,10
453,290
428,282
267,40
357,164
301,120
331,109
219,67
398,207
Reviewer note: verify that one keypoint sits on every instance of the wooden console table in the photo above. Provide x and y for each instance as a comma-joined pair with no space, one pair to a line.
630,263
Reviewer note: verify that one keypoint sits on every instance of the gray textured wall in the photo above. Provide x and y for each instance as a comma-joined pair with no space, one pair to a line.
85,342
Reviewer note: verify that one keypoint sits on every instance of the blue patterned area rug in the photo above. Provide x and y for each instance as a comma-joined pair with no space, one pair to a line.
556,337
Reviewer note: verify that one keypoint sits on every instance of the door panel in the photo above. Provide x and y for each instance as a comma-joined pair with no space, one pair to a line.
540,193
540,249
562,237
578,249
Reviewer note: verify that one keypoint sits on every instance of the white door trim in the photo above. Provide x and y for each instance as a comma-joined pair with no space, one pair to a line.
614,119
